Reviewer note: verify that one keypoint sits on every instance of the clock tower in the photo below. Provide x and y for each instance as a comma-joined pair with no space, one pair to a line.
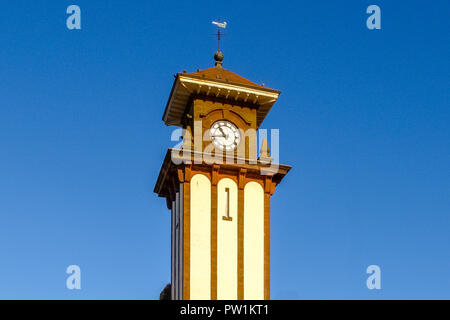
217,187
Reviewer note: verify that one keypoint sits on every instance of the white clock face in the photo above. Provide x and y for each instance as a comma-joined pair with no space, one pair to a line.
225,135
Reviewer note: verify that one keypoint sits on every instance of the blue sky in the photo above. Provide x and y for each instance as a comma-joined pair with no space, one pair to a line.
363,119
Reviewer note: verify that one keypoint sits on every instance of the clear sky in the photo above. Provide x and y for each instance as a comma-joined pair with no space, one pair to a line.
363,118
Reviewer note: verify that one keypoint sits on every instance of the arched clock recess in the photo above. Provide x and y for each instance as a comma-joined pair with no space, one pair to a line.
237,133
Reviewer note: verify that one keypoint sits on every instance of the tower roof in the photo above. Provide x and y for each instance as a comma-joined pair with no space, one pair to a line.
219,73
217,82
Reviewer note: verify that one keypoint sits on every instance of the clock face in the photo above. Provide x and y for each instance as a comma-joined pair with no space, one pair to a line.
224,135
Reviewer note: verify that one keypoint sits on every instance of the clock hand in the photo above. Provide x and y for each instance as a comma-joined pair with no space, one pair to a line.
221,130
223,133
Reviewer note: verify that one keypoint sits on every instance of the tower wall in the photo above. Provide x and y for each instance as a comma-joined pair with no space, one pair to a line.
200,238
227,239
253,241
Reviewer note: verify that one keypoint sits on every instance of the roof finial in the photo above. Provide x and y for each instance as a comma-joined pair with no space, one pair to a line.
218,56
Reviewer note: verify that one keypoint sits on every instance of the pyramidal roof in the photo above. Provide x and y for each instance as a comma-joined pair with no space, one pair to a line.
217,82
220,73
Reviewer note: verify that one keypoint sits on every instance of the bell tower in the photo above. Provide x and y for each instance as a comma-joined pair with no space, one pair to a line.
217,187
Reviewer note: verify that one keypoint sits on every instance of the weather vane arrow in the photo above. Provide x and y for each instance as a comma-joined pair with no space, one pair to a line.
219,25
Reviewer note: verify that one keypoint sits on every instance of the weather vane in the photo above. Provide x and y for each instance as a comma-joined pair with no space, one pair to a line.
219,25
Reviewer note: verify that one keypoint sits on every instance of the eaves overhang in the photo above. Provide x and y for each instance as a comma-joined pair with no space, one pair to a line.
186,87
